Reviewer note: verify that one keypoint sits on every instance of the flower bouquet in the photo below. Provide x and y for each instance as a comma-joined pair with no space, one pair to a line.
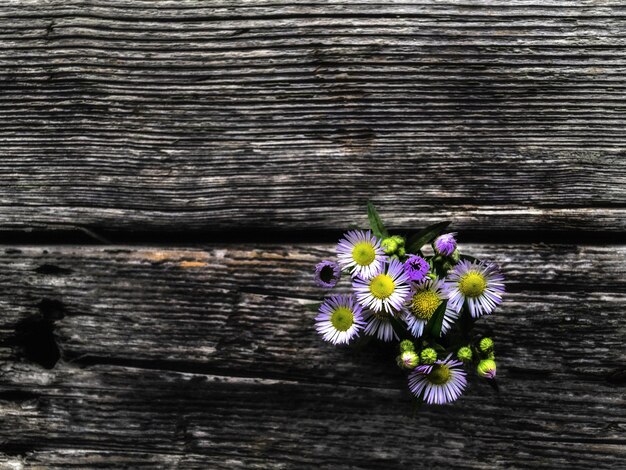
427,300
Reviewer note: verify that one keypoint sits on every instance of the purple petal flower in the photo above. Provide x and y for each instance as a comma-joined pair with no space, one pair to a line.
445,244
438,383
423,302
361,253
340,319
327,274
479,284
416,267
386,290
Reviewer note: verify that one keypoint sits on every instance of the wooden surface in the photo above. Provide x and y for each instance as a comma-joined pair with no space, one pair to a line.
139,115
170,172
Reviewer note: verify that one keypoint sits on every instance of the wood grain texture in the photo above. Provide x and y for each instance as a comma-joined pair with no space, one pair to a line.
206,116
225,116
205,357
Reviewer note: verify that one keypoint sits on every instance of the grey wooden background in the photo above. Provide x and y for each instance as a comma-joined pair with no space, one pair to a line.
171,171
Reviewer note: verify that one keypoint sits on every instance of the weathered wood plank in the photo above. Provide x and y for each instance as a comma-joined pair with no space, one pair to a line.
199,420
231,115
184,356
213,307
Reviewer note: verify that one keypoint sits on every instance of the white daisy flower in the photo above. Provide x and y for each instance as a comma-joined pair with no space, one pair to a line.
360,253
386,290
438,383
479,284
425,299
340,319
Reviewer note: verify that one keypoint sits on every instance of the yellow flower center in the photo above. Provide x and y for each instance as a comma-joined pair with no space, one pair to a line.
424,304
342,318
363,253
382,286
472,284
439,375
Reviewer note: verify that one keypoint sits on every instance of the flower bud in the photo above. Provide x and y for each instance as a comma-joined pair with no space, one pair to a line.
399,240
401,251
428,356
487,368
408,360
389,246
445,244
464,354
406,345
486,345
456,256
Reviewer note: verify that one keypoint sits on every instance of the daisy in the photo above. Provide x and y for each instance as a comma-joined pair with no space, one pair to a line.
386,290
340,319
361,253
423,302
445,244
327,274
416,267
438,383
479,284
379,325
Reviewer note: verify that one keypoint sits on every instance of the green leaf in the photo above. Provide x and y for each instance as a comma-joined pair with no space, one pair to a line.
421,238
433,327
399,328
376,223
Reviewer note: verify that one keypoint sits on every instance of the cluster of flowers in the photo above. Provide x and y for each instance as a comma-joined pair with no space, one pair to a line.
428,303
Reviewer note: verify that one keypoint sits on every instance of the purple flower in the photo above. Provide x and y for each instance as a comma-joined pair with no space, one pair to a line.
479,284
416,267
340,319
445,244
361,253
425,299
327,274
438,383
386,290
